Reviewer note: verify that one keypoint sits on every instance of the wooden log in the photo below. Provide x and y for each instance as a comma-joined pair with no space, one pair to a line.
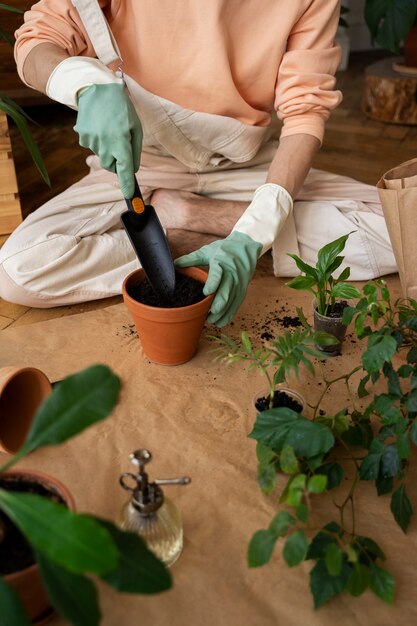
10,210
390,96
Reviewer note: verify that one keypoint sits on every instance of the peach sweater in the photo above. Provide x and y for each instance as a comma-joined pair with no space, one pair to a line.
238,58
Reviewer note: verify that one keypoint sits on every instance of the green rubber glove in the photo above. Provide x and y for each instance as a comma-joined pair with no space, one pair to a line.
231,262
107,124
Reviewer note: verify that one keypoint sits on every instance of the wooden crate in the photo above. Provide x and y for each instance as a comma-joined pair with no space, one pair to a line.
10,211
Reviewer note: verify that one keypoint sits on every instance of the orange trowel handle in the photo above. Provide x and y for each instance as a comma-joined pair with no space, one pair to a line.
136,204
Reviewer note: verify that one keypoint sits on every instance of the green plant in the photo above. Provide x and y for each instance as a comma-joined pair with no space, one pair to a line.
319,280
67,546
389,21
342,21
282,357
16,113
372,437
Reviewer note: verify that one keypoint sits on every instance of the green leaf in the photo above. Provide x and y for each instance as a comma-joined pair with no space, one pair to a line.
358,580
12,612
320,542
401,507
343,290
138,569
7,7
71,540
348,315
327,255
281,523
369,469
383,484
359,435
394,386
265,454
10,108
323,586
246,342
261,548
267,477
390,462
279,427
295,548
379,353
317,483
411,403
368,550
303,267
403,446
334,473
302,283
344,275
77,402
413,431
288,461
398,19
334,559
382,583
302,513
74,596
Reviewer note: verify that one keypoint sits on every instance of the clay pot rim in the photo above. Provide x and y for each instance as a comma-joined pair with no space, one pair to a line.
49,481
149,308
14,372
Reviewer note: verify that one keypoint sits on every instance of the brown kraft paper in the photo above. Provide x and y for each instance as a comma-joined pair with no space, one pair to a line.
195,419
398,193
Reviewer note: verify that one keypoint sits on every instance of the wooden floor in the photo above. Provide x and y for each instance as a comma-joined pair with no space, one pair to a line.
354,146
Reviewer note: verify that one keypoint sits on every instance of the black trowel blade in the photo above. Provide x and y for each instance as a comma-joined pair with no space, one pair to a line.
150,244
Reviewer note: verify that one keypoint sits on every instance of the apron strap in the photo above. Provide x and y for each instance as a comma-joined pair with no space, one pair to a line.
98,30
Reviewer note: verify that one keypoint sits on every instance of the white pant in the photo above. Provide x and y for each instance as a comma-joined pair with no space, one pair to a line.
73,248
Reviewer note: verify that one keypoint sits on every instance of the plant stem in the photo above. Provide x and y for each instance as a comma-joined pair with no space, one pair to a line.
329,383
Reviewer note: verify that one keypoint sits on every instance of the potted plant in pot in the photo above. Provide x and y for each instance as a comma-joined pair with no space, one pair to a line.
350,445
329,292
391,23
169,331
276,362
60,546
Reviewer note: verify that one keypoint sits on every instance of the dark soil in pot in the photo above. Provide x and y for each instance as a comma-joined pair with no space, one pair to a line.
15,551
187,291
337,310
281,399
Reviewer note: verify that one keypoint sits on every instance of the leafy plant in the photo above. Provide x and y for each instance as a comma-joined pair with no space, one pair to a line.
319,280
342,20
277,361
69,546
390,21
16,113
376,440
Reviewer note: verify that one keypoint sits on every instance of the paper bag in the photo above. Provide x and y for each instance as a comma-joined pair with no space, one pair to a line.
398,193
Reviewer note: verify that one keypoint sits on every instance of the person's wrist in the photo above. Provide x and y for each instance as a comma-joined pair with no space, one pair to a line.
76,74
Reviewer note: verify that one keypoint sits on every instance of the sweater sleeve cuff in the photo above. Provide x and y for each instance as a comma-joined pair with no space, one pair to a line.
307,124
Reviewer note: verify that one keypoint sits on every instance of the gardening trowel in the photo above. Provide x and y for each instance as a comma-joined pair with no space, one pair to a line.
150,244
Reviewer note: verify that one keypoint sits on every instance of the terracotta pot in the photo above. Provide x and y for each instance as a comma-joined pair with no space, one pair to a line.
28,583
410,48
22,390
168,336
333,326
264,393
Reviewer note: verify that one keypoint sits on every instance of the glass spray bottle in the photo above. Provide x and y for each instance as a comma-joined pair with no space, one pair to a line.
148,513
